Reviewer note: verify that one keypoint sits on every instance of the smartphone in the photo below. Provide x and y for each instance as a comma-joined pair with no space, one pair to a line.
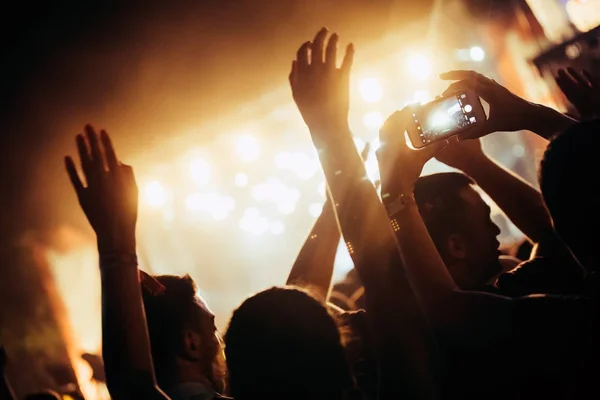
444,118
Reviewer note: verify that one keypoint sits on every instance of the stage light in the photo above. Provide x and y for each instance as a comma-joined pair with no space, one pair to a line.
359,143
421,96
322,189
154,194
373,120
315,209
286,207
247,148
253,222
375,144
419,67
200,171
371,90
300,163
276,227
476,53
241,180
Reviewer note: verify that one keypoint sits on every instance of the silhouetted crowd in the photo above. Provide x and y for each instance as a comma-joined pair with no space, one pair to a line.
432,308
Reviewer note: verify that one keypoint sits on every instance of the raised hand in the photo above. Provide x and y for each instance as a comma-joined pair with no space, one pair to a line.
461,154
582,90
321,89
399,165
109,197
508,112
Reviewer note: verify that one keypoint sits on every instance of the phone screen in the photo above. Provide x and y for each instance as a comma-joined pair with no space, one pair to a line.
441,119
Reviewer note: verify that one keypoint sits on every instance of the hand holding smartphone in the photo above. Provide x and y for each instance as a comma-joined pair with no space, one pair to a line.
445,117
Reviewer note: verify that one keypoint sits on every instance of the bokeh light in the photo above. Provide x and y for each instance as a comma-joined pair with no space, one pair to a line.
371,90
154,194
477,53
247,148
315,209
419,67
241,180
200,171
373,120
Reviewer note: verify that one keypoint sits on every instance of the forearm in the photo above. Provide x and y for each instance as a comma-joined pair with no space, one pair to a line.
547,122
521,203
404,343
125,341
313,267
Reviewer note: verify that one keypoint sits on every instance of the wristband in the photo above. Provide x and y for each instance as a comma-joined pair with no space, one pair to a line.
117,260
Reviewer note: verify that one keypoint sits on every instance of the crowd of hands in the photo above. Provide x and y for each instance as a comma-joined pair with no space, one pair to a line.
284,342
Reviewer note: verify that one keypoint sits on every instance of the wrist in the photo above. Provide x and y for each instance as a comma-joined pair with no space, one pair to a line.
546,121
111,245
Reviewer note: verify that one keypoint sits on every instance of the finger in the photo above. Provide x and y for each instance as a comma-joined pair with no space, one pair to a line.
594,81
331,52
128,175
433,149
73,175
316,49
348,60
302,57
458,75
92,138
109,151
84,154
292,76
578,78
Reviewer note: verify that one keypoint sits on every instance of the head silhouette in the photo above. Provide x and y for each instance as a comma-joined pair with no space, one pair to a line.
459,223
184,340
283,342
569,187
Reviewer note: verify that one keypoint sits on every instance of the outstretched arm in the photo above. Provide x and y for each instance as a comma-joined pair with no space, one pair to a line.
313,267
321,92
109,202
446,306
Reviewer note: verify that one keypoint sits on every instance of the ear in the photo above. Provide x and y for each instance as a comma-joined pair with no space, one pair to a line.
192,344
457,246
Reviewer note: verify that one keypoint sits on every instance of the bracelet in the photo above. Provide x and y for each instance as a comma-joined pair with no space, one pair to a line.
393,207
117,260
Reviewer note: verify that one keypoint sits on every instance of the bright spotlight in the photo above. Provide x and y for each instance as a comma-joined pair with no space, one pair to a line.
253,222
300,163
373,120
315,209
276,227
421,96
476,53
241,180
371,90
286,207
419,67
154,194
200,171
247,148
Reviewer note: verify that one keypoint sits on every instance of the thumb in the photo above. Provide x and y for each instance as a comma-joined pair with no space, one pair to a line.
434,148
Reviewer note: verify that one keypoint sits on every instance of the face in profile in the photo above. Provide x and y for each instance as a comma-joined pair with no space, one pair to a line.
481,237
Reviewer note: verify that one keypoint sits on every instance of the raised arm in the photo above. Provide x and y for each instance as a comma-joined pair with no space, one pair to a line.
313,267
446,306
508,112
109,200
321,92
520,201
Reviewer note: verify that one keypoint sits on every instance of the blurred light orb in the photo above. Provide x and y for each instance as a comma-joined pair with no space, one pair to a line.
247,148
241,180
154,194
421,96
286,207
304,166
276,227
373,120
371,90
315,209
194,202
419,67
200,171
253,222
476,53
